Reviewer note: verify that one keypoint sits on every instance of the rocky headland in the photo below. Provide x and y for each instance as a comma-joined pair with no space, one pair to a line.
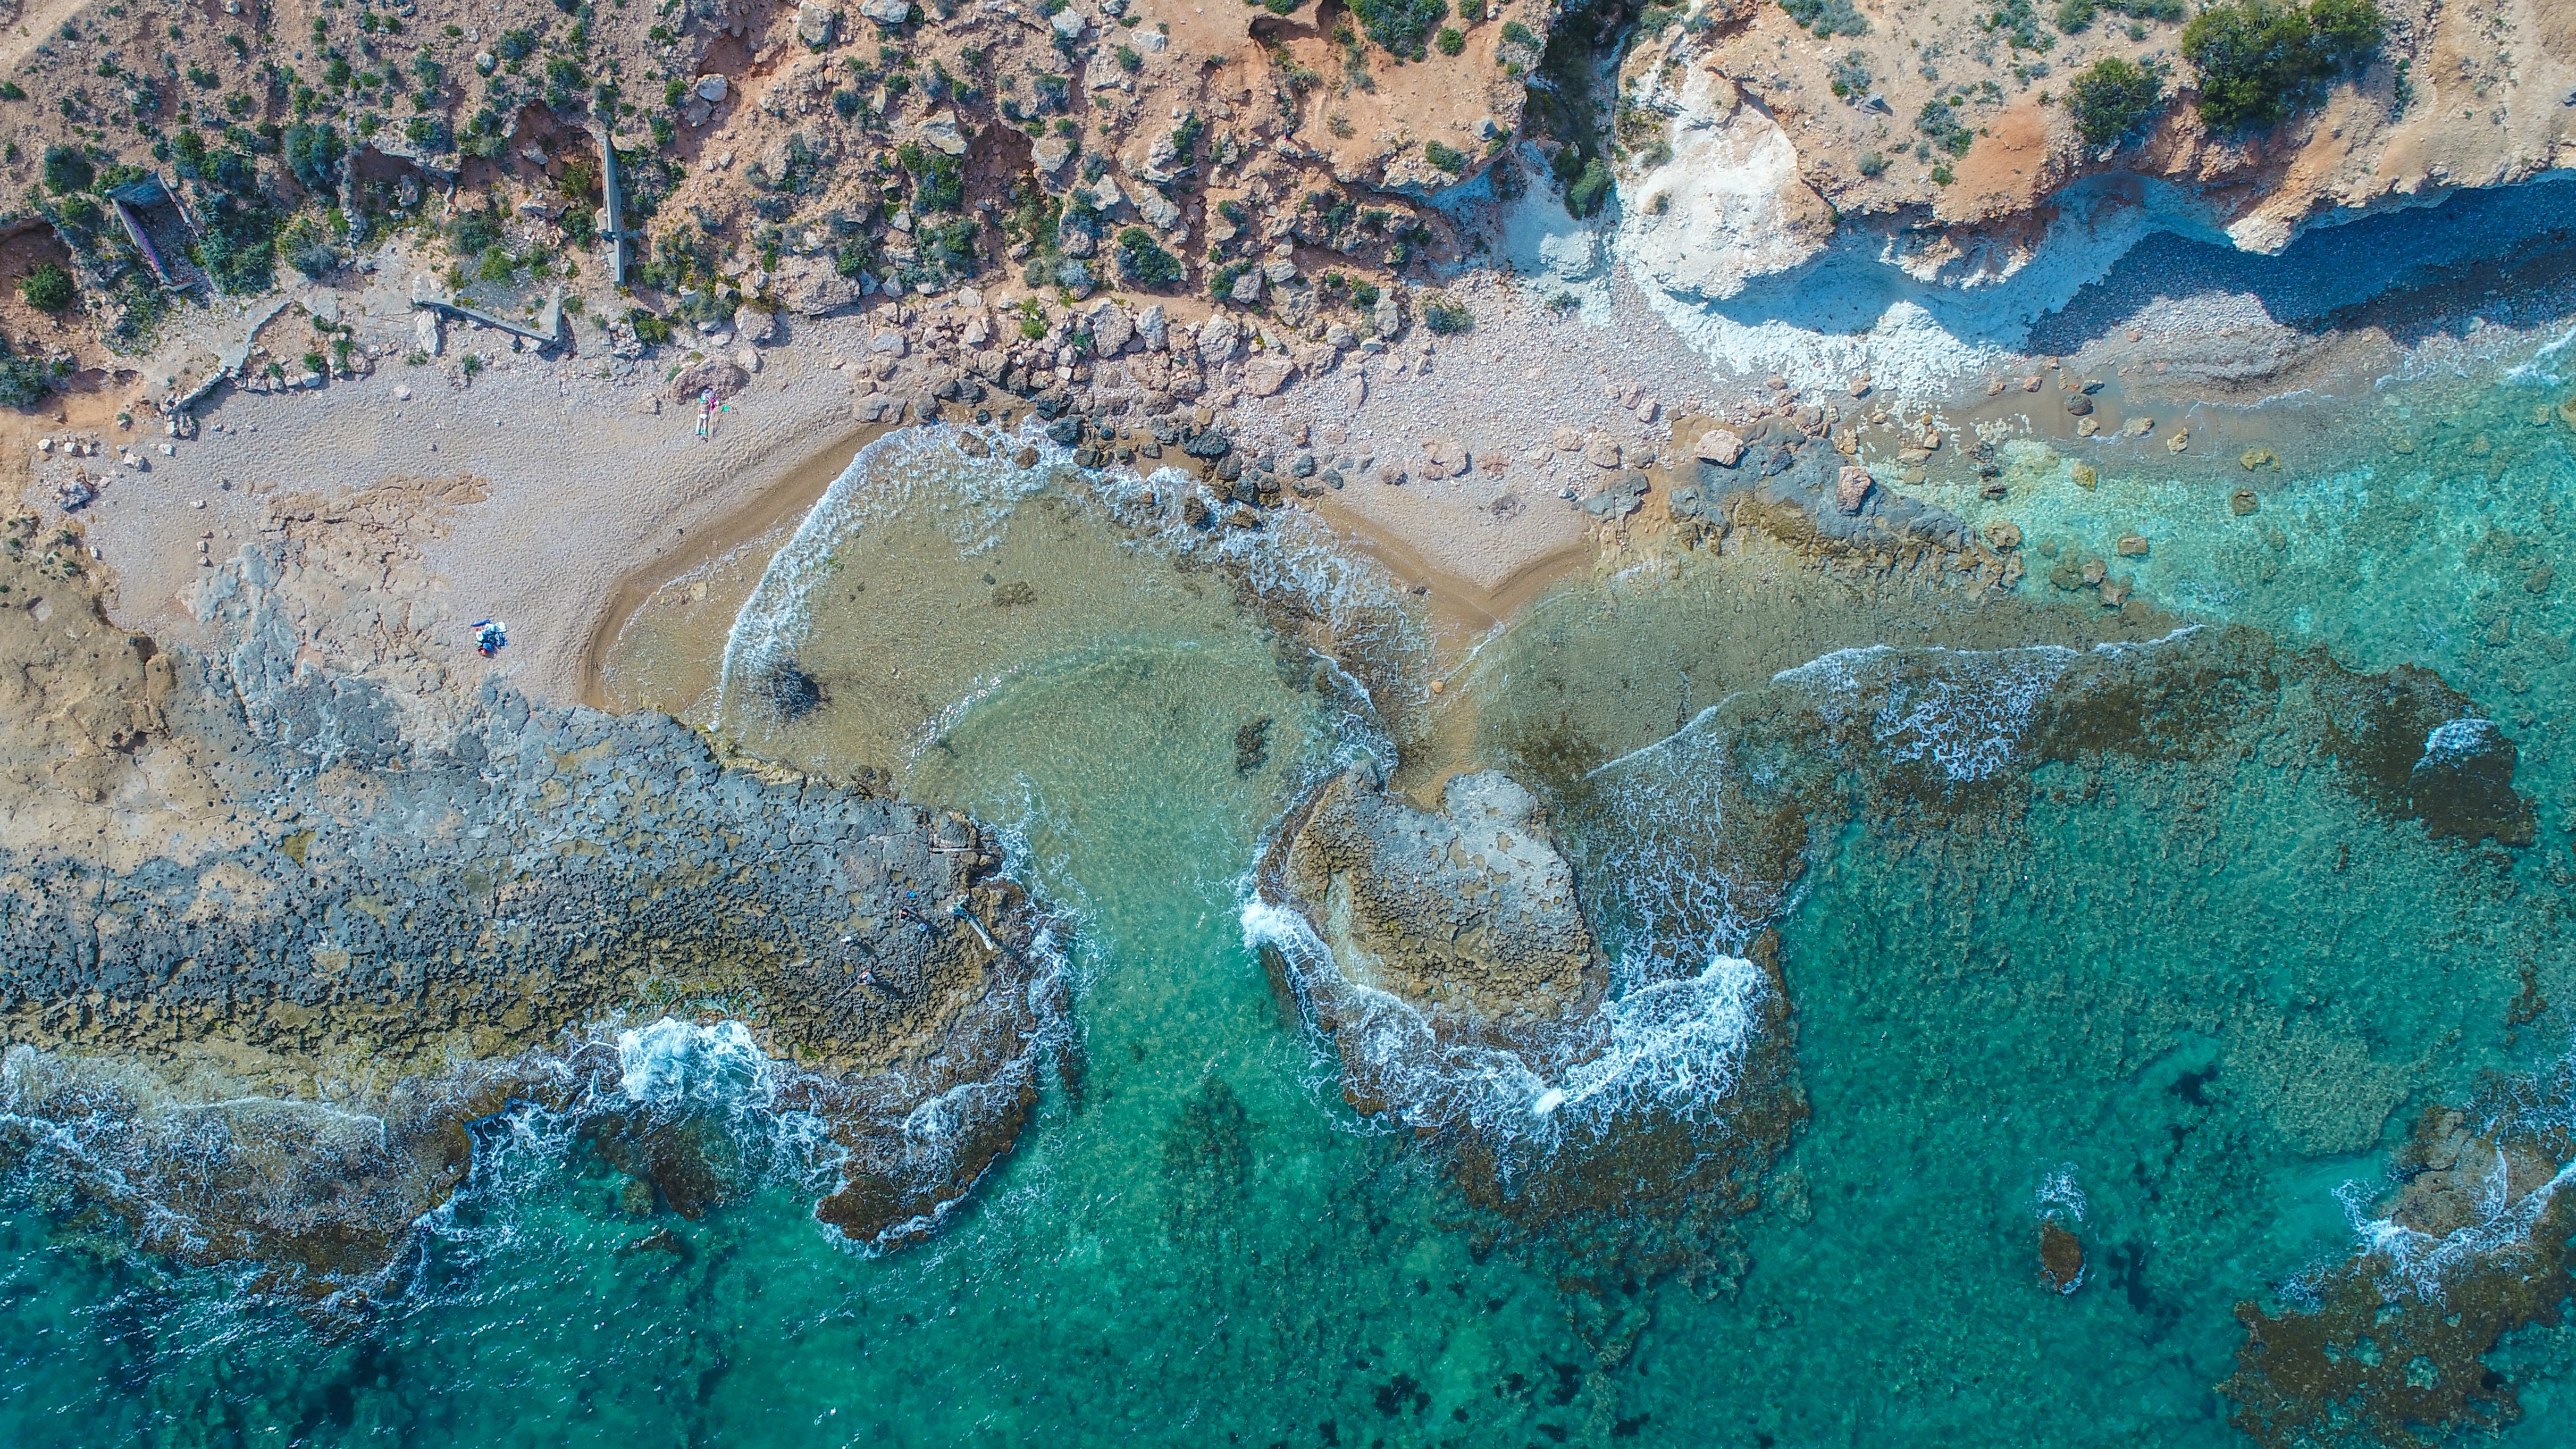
280,931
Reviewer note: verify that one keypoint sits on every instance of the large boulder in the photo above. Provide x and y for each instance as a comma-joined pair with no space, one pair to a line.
809,287
1219,337
817,24
718,376
1110,329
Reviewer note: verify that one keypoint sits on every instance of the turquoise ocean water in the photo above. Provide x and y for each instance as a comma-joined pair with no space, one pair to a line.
2181,1008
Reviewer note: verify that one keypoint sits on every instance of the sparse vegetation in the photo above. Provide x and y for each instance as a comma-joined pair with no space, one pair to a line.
1851,76
67,170
24,382
1826,19
2257,59
1446,318
2074,15
1590,187
1940,125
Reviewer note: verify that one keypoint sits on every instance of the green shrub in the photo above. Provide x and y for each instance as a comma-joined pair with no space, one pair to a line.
24,382
949,246
430,133
472,232
239,247
939,181
1851,76
1446,318
1447,158
1941,124
2257,58
515,45
67,170
1129,60
1451,40
650,328
308,246
1591,186
1400,26
313,154
2113,98
1873,165
48,288
1519,34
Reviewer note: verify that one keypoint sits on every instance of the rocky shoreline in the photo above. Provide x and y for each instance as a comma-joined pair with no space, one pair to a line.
372,926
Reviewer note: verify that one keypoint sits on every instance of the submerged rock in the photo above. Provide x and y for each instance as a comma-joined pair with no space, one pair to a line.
1450,960
2061,1257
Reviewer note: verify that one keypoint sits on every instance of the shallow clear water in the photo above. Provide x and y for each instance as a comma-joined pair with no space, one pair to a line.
2173,1006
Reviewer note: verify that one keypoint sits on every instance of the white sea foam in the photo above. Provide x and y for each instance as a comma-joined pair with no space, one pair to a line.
2541,1112
1675,1046
2424,1263
900,469
2543,367
2061,1194
2457,738
674,1063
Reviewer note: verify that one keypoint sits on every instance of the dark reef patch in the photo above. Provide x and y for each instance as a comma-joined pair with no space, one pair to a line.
2390,1346
2383,729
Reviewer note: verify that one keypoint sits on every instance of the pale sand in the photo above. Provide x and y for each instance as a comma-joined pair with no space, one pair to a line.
591,499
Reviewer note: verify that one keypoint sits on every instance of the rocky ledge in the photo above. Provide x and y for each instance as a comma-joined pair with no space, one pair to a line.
280,934
1448,956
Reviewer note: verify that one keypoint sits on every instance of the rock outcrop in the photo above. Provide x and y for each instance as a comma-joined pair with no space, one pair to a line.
1752,142
1469,914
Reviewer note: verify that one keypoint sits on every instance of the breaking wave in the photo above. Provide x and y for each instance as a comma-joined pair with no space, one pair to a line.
2539,1114
1676,1047
900,469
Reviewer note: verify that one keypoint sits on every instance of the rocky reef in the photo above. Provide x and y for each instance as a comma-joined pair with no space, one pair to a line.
1449,958
2472,1244
1578,993
280,933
